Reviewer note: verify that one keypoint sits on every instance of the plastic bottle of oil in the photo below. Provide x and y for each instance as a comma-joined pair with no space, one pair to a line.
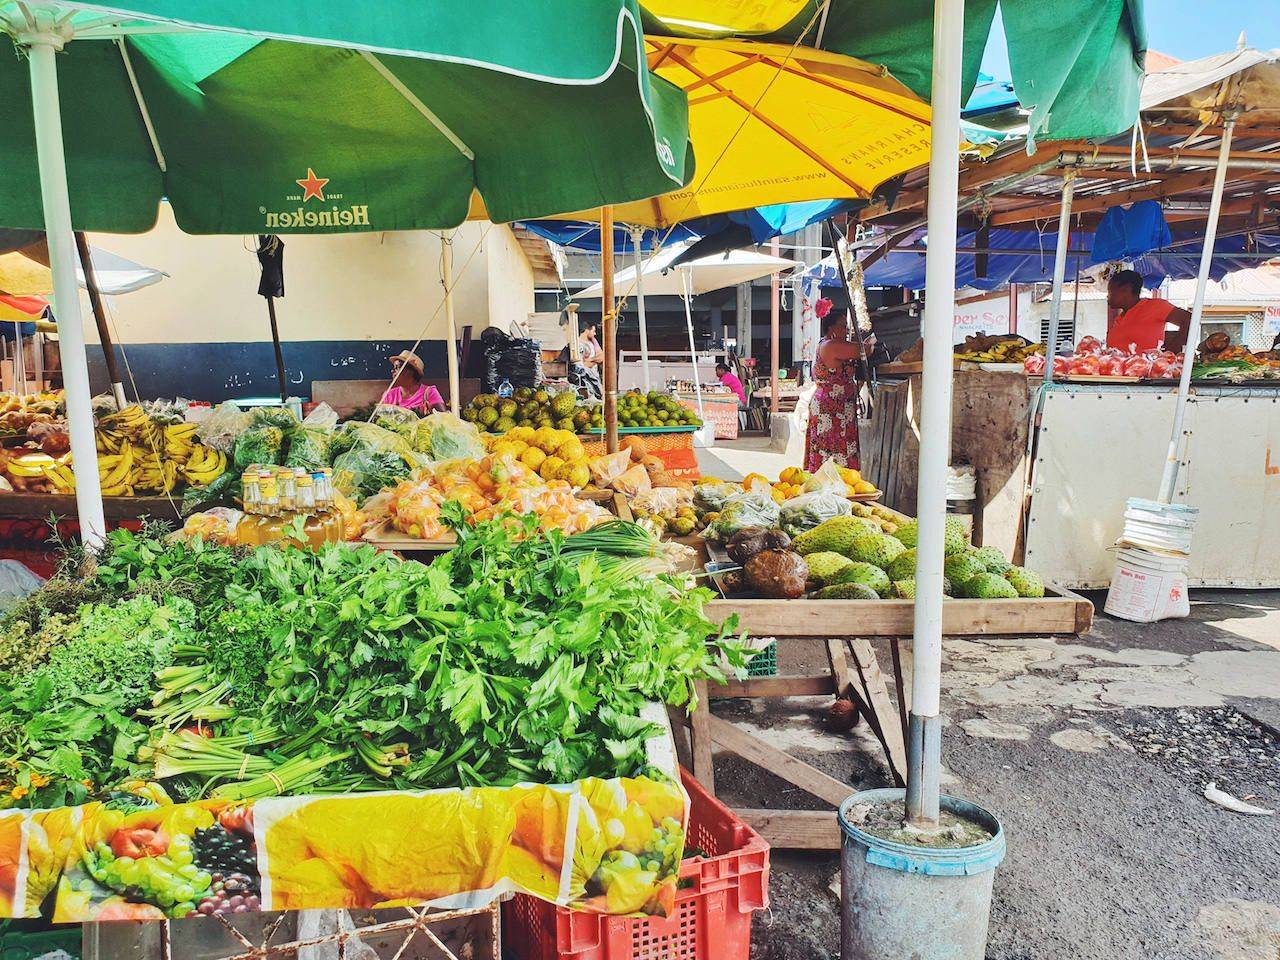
270,527
313,524
335,525
251,500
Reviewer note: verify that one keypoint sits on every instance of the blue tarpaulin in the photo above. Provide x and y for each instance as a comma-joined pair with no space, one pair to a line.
746,227
905,268
1127,232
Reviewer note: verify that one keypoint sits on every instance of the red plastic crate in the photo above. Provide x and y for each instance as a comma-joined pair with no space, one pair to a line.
712,916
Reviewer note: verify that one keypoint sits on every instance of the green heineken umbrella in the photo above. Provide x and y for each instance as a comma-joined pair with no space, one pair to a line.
293,116
259,117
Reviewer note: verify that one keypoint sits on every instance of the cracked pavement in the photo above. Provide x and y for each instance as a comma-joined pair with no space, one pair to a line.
1094,752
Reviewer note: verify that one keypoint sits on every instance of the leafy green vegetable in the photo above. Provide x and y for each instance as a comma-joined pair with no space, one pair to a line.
257,445
516,657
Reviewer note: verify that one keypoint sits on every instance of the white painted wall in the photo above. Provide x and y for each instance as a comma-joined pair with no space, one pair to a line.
1091,318
370,286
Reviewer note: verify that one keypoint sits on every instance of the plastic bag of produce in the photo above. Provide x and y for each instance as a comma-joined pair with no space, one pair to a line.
224,490
220,429
810,509
633,481
309,448
446,437
827,477
322,415
258,445
362,472
282,418
399,420
362,435
750,508
714,494
608,468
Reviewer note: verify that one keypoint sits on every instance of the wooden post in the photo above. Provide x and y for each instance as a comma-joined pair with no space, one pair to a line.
100,319
775,297
609,330
275,342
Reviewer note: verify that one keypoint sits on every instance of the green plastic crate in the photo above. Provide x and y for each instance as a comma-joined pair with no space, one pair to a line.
764,663
22,945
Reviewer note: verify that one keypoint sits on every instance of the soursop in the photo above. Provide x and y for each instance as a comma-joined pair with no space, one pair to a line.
962,568
831,536
1026,582
906,589
859,571
824,565
993,560
990,586
847,591
955,537
903,567
878,548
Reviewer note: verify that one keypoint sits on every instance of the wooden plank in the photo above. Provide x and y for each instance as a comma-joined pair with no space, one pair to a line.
777,762
678,719
882,712
895,618
795,829
63,505
815,686
899,682
700,738
1084,608
841,676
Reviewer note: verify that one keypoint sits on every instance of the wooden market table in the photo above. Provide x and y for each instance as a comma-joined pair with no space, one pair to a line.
847,627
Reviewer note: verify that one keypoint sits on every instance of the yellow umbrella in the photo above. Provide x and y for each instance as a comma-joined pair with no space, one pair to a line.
771,123
22,276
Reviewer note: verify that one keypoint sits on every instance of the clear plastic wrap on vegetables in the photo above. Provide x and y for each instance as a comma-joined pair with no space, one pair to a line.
810,509
753,508
309,447
446,437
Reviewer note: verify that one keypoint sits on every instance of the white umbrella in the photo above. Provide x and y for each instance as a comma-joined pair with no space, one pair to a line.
705,274
687,280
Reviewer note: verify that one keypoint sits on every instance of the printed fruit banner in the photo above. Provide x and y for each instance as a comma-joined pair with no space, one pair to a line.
611,846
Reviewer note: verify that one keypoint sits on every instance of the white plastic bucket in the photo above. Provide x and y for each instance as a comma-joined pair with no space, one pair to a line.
1147,587
1162,527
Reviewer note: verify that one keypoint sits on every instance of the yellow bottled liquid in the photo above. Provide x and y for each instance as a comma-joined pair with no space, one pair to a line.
335,525
251,499
270,526
313,525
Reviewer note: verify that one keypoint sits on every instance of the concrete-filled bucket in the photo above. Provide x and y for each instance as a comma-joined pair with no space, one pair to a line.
900,901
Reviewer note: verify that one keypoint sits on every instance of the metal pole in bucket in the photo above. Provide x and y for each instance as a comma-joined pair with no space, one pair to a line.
1170,479
42,47
637,237
924,752
1059,269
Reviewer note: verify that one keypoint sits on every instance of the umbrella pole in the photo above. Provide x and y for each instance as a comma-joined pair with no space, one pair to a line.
275,342
693,350
47,114
1170,479
609,329
451,333
100,318
775,305
924,755
637,235
1059,270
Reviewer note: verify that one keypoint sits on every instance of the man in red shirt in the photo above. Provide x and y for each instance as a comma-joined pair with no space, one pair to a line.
1143,322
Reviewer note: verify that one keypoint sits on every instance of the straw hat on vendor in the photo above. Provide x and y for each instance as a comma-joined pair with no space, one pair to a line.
407,386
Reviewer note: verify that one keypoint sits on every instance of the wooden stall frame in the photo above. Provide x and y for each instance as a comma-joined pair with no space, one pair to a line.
853,671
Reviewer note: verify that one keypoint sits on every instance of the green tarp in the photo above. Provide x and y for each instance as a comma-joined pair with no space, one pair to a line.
1076,64
266,120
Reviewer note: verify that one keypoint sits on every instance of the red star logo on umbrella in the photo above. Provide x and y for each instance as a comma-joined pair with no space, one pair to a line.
312,186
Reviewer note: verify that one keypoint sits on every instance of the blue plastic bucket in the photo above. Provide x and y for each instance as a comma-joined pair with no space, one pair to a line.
899,901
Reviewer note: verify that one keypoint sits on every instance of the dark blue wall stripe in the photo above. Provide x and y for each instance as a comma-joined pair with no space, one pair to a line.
222,371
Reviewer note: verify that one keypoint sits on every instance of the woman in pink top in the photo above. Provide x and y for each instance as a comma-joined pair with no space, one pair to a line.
407,389
730,380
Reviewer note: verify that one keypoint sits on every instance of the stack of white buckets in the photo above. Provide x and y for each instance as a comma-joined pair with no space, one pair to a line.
1150,579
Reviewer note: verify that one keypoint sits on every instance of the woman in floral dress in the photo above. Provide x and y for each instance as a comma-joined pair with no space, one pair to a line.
833,412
